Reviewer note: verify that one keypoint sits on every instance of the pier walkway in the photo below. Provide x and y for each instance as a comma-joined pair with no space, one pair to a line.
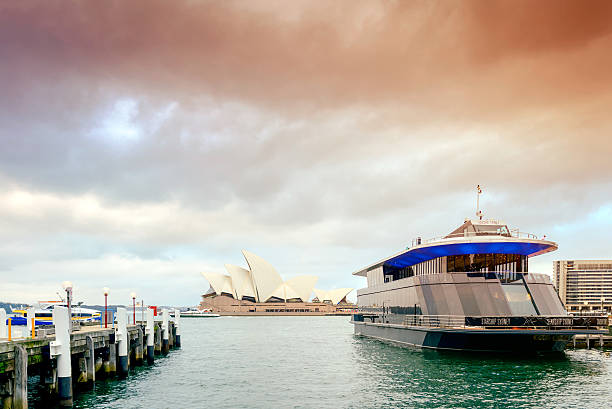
94,353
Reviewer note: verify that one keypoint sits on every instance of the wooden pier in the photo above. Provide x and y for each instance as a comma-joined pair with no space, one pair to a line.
94,353
592,341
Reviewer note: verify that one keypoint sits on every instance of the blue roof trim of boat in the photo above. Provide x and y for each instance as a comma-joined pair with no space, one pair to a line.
420,254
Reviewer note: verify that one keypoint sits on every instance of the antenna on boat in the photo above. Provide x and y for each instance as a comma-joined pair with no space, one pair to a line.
478,193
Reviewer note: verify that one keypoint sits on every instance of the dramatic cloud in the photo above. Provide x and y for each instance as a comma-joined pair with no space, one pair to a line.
143,141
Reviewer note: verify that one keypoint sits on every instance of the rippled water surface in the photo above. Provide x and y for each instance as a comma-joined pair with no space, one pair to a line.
316,362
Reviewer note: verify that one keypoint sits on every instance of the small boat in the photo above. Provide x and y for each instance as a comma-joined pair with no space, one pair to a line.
195,313
43,313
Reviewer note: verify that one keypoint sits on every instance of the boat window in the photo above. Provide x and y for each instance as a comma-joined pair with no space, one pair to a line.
486,262
518,299
468,300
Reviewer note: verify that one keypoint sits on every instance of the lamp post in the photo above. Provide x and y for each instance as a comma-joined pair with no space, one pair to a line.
106,291
133,295
67,285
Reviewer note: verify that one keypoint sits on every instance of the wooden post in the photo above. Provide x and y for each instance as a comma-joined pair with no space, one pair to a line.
130,353
20,391
588,344
48,374
138,356
98,364
6,392
171,335
90,360
110,364
82,367
158,347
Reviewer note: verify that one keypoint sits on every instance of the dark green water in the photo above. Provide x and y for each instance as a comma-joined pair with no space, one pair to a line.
316,362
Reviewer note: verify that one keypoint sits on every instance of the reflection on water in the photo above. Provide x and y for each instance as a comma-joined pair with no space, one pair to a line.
316,362
405,377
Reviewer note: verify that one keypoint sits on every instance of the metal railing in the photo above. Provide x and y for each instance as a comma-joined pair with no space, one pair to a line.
437,321
513,322
512,233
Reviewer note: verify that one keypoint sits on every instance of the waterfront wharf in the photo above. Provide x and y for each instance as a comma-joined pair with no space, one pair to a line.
68,359
593,341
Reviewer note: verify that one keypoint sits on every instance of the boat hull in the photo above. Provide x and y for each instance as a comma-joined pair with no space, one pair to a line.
481,340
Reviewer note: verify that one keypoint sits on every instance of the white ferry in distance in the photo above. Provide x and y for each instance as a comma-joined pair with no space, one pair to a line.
469,290
196,313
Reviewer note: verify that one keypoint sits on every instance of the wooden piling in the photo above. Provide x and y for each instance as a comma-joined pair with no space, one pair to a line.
48,375
138,355
99,361
81,370
90,360
20,383
158,348
6,393
588,344
112,360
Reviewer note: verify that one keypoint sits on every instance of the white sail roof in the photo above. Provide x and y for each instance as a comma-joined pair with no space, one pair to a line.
334,296
220,283
241,280
265,277
263,282
284,292
321,295
303,285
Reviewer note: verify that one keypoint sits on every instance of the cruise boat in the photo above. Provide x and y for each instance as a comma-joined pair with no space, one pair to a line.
469,290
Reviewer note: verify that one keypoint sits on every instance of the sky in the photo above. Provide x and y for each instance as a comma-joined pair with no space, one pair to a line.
144,142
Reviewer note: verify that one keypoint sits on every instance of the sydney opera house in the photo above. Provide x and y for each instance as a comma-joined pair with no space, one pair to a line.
260,290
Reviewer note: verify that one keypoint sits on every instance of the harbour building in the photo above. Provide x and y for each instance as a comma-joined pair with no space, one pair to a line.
260,290
584,285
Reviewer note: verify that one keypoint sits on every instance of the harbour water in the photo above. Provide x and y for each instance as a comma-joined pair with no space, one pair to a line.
316,362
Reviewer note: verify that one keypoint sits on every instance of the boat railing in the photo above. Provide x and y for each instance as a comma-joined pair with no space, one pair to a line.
437,321
512,233
506,322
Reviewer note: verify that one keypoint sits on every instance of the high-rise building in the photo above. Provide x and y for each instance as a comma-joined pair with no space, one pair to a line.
584,285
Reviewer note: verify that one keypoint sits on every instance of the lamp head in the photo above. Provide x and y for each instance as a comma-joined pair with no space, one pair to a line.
106,290
133,294
67,285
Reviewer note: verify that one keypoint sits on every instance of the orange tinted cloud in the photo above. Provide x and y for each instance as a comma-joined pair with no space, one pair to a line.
326,54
